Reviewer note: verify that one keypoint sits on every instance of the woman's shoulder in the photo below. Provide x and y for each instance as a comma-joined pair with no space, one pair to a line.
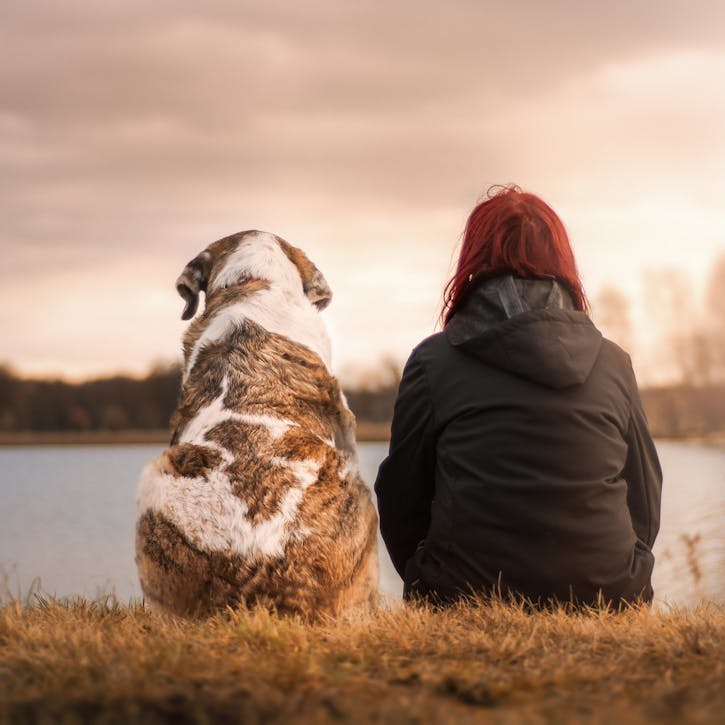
615,354
615,363
429,349
432,358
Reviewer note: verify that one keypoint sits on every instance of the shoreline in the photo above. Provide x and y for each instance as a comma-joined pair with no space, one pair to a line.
366,433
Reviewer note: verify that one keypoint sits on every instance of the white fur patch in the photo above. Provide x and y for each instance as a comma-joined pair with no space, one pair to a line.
213,518
259,255
206,510
283,309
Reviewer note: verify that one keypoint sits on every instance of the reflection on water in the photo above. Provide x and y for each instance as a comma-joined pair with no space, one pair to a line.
67,517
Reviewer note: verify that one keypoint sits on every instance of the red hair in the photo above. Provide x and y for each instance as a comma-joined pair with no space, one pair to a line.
513,232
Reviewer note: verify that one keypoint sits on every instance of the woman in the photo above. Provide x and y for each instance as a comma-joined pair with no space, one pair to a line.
520,460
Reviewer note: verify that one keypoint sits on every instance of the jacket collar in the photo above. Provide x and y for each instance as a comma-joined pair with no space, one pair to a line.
495,300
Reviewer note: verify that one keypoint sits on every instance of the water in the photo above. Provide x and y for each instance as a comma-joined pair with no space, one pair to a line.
67,519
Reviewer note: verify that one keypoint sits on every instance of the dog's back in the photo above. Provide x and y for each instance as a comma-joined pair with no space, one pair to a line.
258,499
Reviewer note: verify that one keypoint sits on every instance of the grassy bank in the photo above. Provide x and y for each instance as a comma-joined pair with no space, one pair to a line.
473,663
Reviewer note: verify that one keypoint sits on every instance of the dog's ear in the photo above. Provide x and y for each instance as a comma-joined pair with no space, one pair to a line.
314,283
192,281
317,290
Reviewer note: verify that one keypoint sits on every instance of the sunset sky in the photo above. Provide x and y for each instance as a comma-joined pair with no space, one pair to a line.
133,134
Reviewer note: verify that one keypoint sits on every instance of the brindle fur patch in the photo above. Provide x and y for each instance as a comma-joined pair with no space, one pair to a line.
191,460
255,479
314,577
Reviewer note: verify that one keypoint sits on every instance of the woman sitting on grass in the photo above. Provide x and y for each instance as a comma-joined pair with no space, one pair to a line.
520,460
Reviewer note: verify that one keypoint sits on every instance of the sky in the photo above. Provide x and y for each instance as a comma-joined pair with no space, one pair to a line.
134,134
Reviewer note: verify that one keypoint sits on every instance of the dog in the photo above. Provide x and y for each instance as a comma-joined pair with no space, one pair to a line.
258,498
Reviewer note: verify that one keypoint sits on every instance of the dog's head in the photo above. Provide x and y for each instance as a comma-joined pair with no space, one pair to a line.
247,256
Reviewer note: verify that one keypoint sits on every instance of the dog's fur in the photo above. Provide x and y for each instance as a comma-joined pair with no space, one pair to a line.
258,498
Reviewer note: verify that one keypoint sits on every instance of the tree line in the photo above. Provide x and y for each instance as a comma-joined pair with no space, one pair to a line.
125,403
122,402
113,403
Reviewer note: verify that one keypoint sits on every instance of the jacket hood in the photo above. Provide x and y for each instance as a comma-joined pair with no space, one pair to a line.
527,327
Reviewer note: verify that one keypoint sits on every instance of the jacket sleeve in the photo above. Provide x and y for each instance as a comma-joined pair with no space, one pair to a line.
405,481
643,475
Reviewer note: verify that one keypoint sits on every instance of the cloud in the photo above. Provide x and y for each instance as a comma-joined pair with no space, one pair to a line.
133,134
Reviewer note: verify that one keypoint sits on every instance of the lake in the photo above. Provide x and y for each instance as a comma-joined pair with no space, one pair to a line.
67,521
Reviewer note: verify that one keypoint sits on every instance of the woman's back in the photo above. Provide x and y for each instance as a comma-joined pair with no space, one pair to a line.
532,417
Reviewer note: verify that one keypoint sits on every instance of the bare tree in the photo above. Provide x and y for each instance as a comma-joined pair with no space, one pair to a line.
611,311
715,316
670,309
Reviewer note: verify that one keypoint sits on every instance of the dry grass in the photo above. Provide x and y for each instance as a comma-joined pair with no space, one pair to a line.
474,663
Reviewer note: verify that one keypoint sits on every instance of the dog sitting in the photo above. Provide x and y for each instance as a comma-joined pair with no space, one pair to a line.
258,499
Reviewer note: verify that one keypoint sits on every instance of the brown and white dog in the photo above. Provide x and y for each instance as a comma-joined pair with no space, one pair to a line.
258,499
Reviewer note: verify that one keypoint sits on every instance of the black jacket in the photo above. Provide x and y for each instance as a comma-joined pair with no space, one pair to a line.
520,459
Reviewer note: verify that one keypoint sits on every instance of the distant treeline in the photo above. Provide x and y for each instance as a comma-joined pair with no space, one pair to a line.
122,402
126,403
114,403
685,411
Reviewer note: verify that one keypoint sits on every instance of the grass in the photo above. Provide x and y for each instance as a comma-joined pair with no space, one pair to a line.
100,661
